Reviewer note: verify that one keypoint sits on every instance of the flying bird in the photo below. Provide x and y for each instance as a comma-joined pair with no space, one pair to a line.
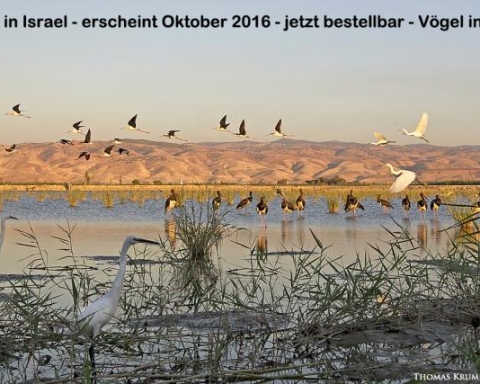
16,112
11,149
403,180
77,128
242,131
101,311
171,135
88,137
123,151
84,154
116,140
132,125
278,130
382,140
66,141
2,228
223,125
420,130
108,151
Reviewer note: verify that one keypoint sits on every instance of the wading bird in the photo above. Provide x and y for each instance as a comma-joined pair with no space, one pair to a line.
11,149
403,180
262,210
244,203
278,130
84,154
382,140
101,311
223,125
171,135
2,228
65,141
287,207
422,205
435,205
123,150
420,130
352,203
16,112
406,204
132,125
301,203
385,204
77,128
172,201
88,137
217,201
108,151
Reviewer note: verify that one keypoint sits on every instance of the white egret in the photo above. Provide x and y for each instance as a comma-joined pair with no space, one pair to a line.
420,130
404,178
102,310
382,140
123,150
16,112
2,228
132,125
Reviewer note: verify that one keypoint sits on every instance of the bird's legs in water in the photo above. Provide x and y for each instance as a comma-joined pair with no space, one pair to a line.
91,352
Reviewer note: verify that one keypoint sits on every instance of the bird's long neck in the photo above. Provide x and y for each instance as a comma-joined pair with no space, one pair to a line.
117,284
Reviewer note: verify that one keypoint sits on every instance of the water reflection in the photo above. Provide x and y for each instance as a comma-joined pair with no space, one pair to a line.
171,232
422,235
262,244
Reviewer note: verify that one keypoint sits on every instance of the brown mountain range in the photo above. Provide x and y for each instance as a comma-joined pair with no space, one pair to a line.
295,161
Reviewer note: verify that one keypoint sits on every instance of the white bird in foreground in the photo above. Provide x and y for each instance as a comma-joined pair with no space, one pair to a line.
420,130
16,112
382,140
102,310
132,125
278,130
403,180
2,228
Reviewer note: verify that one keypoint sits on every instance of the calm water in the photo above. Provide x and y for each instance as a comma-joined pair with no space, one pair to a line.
100,231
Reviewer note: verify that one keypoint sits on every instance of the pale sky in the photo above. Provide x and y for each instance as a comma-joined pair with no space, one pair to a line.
325,84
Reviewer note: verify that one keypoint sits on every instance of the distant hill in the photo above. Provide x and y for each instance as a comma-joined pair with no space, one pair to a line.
236,162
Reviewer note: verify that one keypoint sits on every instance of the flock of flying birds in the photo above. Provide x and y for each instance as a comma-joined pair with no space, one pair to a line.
403,177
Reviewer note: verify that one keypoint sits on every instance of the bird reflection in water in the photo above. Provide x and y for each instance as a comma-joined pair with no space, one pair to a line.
422,235
171,232
286,229
262,244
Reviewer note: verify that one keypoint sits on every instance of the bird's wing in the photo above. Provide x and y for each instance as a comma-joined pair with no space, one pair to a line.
379,136
278,127
223,121
422,125
109,149
172,132
403,181
82,154
88,136
77,124
133,121
13,147
241,129
16,108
